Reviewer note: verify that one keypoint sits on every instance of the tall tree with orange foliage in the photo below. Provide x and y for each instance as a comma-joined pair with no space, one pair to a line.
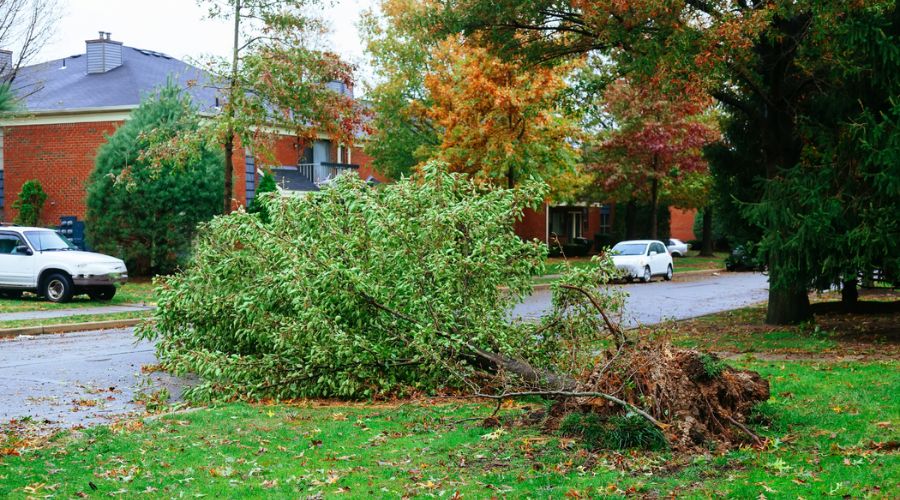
498,120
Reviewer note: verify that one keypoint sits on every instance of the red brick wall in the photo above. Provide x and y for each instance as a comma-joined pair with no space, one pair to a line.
60,156
358,157
681,225
533,224
287,151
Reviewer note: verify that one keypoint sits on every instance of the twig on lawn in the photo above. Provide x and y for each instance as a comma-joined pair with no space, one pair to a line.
745,429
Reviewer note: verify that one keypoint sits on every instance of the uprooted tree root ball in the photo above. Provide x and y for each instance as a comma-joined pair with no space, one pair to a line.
698,401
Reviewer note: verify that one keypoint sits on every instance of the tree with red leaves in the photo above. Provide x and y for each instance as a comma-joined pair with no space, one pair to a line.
657,141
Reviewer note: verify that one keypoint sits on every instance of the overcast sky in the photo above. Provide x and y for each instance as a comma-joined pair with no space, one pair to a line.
178,27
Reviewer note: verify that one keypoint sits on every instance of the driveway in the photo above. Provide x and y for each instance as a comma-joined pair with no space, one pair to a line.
88,377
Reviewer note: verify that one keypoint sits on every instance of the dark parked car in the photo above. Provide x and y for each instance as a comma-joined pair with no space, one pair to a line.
744,258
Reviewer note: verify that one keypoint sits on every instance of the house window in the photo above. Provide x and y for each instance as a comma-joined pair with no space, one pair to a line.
557,223
307,156
605,219
575,228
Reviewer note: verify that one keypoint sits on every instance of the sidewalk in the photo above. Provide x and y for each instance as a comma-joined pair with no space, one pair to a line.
66,313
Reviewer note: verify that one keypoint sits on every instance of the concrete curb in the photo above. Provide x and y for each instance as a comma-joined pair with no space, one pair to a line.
8,333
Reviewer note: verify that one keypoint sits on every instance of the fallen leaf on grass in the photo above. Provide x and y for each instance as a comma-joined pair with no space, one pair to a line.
493,436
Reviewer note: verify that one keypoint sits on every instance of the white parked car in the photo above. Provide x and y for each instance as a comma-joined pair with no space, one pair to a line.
39,260
678,248
642,259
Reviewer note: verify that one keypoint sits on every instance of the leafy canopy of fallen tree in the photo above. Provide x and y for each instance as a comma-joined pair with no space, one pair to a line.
357,291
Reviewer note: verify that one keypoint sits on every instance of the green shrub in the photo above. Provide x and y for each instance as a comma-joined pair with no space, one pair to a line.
29,203
258,206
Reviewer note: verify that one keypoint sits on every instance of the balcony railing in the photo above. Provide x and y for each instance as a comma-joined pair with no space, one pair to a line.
325,171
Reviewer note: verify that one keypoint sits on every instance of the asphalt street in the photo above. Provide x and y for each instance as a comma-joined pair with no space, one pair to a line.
659,301
88,377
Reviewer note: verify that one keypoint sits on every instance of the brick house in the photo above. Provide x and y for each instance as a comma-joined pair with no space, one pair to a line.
566,222
68,106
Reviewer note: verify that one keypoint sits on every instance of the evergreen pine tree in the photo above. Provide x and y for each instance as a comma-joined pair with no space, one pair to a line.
147,215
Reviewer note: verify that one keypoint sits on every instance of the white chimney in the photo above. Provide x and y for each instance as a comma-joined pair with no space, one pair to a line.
103,54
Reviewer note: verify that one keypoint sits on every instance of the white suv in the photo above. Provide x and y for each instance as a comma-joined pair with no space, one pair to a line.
40,260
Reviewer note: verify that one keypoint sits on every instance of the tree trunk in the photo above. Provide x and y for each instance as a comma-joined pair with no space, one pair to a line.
849,295
706,246
630,220
229,110
229,171
654,208
788,307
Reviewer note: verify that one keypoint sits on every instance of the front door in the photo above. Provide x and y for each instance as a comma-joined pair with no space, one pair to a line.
16,268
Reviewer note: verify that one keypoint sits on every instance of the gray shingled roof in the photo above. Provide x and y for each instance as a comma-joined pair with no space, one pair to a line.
50,87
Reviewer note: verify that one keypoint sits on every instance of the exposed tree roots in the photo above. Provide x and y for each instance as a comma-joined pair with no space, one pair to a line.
696,399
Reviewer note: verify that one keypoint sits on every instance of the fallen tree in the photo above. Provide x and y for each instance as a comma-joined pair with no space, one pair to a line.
360,292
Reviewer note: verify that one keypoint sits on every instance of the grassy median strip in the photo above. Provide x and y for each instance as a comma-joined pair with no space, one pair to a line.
131,293
832,428
68,320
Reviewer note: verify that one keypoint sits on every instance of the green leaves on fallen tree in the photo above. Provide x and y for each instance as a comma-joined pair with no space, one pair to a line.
356,291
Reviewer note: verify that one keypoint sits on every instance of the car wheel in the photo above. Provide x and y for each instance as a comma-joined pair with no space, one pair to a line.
676,254
58,288
11,294
647,276
103,293
668,276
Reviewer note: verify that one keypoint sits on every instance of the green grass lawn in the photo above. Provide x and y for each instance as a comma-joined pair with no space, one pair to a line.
131,293
836,334
558,265
830,429
693,262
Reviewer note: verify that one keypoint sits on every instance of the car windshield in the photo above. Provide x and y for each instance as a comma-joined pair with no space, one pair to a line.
629,249
673,241
45,241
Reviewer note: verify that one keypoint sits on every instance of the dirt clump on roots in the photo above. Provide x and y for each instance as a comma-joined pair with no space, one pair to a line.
699,401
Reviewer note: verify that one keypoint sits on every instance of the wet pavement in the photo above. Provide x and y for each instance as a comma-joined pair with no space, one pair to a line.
90,377
76,378
659,301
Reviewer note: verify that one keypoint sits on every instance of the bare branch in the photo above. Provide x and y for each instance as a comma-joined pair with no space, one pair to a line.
575,394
